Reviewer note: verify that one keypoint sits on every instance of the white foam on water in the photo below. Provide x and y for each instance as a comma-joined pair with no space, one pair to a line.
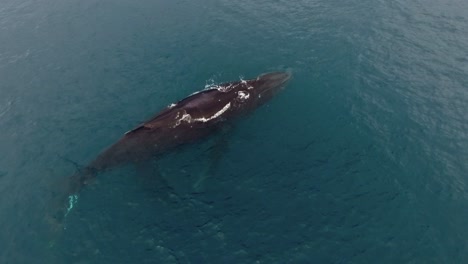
72,200
210,84
225,89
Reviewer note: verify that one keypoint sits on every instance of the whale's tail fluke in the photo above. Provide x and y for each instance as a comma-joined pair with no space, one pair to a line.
64,195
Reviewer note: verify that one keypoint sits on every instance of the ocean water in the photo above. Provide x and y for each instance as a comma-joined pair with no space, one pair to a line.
363,158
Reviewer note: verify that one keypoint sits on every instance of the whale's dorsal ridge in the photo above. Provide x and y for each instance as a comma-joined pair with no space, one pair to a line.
138,128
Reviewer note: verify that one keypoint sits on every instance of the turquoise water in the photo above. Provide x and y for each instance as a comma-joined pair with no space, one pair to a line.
362,159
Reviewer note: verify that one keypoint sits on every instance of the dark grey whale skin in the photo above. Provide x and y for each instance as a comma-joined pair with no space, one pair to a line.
186,121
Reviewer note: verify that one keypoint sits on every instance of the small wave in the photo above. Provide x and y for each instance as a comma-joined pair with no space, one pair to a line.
6,108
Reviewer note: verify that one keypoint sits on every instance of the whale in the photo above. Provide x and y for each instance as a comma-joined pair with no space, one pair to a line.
188,120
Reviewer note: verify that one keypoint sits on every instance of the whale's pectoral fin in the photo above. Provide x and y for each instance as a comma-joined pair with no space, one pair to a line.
217,150
154,180
148,174
215,155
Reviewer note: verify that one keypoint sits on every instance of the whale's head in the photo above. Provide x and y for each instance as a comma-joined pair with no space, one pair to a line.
247,95
267,85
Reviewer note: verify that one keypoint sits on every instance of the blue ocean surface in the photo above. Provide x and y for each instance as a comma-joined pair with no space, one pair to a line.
363,158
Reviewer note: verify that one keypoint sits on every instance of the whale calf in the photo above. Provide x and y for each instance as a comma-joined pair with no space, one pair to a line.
186,121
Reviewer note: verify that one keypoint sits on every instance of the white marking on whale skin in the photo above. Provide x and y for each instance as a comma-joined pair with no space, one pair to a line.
185,117
243,95
171,105
188,118
178,120
216,115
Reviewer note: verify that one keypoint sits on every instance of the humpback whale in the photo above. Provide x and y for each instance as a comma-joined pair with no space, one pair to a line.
186,121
